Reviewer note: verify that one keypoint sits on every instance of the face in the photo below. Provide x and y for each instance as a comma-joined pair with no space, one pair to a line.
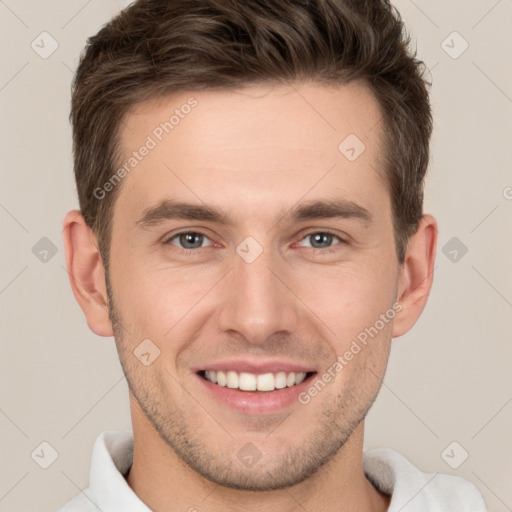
250,251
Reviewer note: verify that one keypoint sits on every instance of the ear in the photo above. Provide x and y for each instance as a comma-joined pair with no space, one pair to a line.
416,275
86,272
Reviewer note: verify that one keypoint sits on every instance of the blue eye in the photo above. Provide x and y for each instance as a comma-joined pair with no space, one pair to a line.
195,240
189,240
321,240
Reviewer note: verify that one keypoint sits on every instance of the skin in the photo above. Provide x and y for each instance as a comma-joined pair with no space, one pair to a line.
255,154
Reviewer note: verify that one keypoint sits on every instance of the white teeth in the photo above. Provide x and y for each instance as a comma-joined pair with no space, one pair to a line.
211,376
232,379
266,382
221,378
251,382
247,381
280,380
299,377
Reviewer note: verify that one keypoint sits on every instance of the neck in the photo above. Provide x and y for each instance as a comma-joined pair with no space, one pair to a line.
166,484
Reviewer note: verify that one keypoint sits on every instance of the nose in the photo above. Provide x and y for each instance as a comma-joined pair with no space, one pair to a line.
257,301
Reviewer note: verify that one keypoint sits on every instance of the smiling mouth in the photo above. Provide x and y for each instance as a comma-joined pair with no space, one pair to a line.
245,381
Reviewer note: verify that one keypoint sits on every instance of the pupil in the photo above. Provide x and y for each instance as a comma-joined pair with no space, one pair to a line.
191,240
322,240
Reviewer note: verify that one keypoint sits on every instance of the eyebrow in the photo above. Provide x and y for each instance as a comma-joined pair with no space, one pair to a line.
319,209
330,208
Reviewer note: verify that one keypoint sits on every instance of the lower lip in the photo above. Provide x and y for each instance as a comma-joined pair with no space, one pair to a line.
256,402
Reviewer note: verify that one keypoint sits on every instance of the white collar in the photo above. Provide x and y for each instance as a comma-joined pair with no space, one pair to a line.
388,470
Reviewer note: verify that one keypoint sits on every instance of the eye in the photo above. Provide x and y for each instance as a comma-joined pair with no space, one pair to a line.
320,240
189,240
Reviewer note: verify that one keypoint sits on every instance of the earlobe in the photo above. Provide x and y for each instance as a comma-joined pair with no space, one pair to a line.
416,275
86,272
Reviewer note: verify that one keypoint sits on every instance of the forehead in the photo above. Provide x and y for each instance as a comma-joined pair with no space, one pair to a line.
257,146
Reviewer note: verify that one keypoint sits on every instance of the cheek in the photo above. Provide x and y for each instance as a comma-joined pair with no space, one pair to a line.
155,299
348,298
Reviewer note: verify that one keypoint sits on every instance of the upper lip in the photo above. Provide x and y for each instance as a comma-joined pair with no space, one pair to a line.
257,367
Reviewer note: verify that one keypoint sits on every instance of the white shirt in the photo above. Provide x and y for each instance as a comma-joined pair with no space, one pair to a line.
388,470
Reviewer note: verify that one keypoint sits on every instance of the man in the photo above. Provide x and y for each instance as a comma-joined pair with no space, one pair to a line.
250,177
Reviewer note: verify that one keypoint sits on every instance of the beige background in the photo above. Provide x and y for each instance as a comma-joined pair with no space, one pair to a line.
448,379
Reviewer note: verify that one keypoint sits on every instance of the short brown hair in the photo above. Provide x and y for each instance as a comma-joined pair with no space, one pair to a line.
159,47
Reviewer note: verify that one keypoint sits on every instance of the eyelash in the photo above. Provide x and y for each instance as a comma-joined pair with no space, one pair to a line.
195,252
